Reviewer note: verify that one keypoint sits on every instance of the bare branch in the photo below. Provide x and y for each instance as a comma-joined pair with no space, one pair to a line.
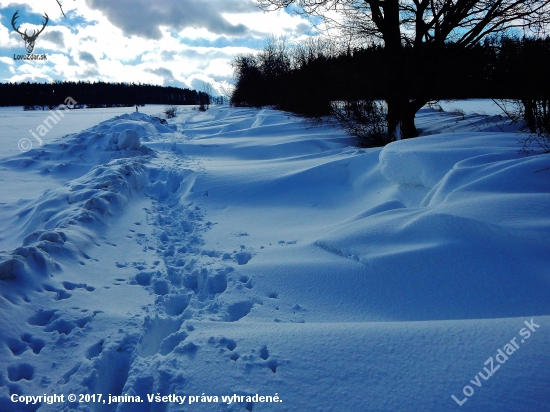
61,7
432,21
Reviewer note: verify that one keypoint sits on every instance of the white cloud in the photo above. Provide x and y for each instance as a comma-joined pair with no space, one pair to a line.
7,60
143,17
278,23
168,42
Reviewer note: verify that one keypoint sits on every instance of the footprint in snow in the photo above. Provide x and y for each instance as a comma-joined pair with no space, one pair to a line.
18,346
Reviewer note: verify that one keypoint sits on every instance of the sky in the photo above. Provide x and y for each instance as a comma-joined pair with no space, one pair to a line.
182,43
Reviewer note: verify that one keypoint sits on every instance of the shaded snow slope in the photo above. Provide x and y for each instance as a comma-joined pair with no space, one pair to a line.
237,251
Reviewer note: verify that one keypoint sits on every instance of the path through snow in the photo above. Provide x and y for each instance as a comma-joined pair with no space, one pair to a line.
238,252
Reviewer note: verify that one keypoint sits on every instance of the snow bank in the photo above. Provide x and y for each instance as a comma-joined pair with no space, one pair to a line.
75,154
424,161
129,140
53,226
61,222
482,228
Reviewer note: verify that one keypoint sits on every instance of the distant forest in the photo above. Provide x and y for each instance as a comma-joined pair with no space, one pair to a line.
305,80
96,94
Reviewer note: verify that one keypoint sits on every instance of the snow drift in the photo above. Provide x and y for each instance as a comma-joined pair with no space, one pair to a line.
238,253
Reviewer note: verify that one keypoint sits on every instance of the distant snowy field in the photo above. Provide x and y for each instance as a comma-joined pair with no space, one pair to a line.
241,252
478,106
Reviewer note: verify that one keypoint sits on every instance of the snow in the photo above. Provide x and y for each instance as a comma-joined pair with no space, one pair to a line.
425,162
479,106
241,252
128,140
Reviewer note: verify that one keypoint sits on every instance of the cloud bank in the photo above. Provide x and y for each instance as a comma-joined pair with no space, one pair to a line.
144,17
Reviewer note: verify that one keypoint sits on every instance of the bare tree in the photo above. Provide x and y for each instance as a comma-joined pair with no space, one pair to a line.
227,92
205,96
414,33
312,49
170,111
364,120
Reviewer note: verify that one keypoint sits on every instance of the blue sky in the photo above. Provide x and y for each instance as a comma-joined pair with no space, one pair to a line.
180,43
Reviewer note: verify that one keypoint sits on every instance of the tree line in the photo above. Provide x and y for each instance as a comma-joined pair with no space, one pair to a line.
96,94
418,38
305,79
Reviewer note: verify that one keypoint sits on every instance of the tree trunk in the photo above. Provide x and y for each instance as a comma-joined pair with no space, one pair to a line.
394,116
401,112
408,128
529,109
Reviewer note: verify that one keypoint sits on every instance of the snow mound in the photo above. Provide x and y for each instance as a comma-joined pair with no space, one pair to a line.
75,154
73,212
125,140
471,247
508,193
424,161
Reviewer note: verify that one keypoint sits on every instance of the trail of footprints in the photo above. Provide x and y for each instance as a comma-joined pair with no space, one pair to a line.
228,347
191,278
189,282
188,279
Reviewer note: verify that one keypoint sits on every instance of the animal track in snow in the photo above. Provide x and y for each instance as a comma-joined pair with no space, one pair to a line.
273,364
21,371
95,350
247,281
42,317
238,310
189,281
264,353
18,346
249,359
156,330
73,286
109,369
227,343
242,258
53,323
175,305
270,363
65,327
188,267
60,294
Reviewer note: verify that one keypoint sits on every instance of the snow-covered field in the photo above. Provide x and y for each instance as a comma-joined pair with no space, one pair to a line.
238,253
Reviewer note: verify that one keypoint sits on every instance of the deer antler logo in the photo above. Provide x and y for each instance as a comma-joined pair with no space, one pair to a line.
29,40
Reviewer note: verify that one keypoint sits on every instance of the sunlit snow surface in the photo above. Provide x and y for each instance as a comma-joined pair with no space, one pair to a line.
241,251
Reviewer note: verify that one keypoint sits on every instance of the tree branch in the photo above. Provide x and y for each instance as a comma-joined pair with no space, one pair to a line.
61,7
